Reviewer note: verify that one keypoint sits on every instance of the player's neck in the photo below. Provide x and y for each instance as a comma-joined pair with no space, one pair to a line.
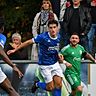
74,46
52,36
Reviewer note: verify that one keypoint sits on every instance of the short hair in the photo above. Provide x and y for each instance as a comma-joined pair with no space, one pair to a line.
75,33
52,22
16,35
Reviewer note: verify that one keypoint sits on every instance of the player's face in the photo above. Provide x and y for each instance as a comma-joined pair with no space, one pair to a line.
45,5
16,40
53,29
74,40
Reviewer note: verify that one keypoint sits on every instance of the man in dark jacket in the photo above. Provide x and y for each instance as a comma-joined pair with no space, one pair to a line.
77,19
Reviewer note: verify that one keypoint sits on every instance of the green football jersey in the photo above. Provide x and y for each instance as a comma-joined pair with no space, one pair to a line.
73,56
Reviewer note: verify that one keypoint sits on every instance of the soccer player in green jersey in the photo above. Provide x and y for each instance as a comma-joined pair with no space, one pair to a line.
73,54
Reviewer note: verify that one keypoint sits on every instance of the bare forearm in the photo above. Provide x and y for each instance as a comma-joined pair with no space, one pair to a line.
5,58
90,57
25,44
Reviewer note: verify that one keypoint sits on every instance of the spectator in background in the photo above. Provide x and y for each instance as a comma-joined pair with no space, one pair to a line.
77,19
63,5
4,81
40,22
19,55
92,31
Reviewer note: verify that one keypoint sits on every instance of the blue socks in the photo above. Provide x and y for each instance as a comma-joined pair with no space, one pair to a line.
41,85
57,92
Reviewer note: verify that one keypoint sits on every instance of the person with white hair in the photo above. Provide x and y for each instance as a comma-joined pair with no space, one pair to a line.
4,81
19,55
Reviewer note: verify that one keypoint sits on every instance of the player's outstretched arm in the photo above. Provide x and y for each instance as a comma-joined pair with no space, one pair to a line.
24,44
90,57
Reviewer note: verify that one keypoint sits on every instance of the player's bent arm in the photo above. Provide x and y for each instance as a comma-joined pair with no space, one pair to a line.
90,57
67,64
61,60
5,57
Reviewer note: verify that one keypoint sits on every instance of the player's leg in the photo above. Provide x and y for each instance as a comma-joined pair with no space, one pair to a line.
79,90
6,85
48,84
58,85
75,82
57,78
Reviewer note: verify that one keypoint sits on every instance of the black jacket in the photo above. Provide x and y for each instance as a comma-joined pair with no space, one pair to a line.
85,19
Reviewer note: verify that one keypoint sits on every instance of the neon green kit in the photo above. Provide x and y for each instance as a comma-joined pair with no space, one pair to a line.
73,55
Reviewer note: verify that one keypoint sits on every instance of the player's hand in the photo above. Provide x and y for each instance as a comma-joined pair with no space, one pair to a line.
67,64
95,61
17,71
61,58
10,51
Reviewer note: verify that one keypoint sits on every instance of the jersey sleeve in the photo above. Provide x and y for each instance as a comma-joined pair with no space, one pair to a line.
83,51
82,48
2,40
38,38
63,51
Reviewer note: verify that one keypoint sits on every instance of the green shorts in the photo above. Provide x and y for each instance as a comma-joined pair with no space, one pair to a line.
73,79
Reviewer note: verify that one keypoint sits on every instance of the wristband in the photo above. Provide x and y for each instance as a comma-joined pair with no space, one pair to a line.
64,62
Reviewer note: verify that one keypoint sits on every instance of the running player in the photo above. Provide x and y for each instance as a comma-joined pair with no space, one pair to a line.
48,59
4,82
73,54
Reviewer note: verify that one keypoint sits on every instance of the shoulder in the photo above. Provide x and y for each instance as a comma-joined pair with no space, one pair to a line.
2,36
2,40
80,46
37,15
69,8
42,35
66,47
84,8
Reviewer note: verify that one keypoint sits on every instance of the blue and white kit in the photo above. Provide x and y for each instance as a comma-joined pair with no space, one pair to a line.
48,55
2,43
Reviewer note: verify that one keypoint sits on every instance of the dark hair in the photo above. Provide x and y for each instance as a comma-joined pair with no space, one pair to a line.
75,33
52,22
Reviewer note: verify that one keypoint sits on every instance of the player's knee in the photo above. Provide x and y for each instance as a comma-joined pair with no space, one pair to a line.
50,88
79,88
58,85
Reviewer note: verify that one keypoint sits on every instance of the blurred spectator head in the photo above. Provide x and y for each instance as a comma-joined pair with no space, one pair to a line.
16,38
93,3
46,5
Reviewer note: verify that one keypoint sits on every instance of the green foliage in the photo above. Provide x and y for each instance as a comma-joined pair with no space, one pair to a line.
17,12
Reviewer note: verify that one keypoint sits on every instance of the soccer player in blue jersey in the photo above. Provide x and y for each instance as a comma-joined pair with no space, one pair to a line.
48,58
4,82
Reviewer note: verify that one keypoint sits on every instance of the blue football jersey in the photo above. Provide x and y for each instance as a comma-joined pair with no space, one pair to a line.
48,48
2,40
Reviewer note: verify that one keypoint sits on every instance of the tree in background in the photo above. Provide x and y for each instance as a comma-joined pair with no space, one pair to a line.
19,15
